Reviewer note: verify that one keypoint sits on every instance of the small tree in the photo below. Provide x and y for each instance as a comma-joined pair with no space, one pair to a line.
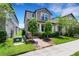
33,26
48,28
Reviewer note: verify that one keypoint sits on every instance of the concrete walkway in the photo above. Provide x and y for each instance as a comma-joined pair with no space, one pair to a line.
65,49
41,43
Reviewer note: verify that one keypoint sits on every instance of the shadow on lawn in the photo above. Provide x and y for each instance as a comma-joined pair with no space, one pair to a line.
62,37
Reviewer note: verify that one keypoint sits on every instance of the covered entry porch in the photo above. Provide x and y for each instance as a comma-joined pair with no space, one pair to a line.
41,27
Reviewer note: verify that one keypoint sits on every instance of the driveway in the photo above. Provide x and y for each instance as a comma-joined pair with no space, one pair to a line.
64,49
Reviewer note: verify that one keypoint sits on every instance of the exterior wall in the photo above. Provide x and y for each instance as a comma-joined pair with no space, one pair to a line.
39,13
68,17
28,16
11,25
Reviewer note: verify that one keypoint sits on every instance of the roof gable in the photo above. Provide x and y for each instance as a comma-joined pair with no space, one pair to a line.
43,9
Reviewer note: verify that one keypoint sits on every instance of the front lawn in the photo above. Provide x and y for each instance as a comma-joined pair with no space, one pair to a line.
19,33
76,54
63,39
15,50
9,49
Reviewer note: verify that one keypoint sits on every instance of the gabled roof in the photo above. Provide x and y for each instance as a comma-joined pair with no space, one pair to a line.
14,12
68,15
55,19
43,9
36,11
72,16
28,11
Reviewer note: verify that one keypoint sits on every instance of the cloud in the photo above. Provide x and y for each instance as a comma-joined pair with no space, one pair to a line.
65,9
55,8
21,25
69,10
72,5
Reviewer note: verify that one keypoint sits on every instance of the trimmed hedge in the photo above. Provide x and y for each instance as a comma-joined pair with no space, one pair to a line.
3,35
55,34
44,35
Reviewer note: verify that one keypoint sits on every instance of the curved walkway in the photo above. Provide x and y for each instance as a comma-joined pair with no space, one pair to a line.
64,49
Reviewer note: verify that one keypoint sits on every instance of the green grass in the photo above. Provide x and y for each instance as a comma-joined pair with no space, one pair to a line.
15,50
19,33
76,54
63,39
8,49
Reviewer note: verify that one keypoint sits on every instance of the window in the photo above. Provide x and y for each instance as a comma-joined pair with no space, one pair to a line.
44,16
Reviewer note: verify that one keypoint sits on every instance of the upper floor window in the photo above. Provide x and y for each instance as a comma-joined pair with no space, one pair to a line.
44,16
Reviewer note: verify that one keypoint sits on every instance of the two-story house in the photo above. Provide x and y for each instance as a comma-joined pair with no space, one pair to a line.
41,16
9,22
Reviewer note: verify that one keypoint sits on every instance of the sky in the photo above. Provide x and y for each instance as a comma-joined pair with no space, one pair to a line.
57,9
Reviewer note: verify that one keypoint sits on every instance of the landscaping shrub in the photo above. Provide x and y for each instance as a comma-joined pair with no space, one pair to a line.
77,29
55,34
9,42
51,35
23,32
3,35
40,35
43,35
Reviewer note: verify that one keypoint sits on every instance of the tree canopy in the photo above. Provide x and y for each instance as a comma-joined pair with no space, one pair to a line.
32,26
48,27
7,6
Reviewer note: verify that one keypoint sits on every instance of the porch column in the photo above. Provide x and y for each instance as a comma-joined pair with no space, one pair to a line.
56,28
40,28
52,28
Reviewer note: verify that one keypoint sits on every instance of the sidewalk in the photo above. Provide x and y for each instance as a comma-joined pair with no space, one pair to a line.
65,49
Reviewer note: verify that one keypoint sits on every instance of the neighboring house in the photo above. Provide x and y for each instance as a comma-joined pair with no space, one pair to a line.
41,16
69,17
9,23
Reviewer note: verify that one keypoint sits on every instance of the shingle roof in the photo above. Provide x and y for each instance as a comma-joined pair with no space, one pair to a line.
42,9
